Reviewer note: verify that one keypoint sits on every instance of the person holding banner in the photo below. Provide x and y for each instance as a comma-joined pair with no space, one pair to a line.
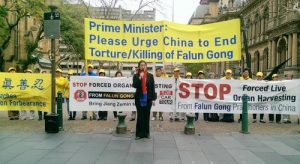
275,77
23,114
117,74
158,73
102,114
227,117
72,114
61,84
259,77
13,114
245,76
286,117
143,81
90,73
176,76
40,113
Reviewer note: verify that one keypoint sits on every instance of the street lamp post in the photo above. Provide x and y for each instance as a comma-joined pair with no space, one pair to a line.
52,31
53,5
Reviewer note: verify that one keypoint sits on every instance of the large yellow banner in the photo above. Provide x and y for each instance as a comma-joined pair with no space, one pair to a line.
161,41
20,91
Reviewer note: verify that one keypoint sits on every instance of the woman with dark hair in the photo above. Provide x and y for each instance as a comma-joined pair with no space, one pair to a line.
117,74
143,81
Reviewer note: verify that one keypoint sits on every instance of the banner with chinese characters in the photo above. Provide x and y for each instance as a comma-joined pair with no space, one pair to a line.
20,91
225,96
89,93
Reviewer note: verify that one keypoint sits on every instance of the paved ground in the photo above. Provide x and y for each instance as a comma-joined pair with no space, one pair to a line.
95,142
87,126
162,148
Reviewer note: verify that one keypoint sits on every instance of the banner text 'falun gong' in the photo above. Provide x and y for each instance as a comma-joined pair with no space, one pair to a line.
161,41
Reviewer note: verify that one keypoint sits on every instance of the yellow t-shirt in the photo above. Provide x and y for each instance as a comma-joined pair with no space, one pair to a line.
224,78
242,78
62,85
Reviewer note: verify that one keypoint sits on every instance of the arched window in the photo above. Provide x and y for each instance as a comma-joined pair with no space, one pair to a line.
265,59
265,20
282,50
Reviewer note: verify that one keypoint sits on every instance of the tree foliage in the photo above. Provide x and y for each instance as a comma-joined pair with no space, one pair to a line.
11,13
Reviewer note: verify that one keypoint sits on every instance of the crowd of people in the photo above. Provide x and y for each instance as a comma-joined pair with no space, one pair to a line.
62,85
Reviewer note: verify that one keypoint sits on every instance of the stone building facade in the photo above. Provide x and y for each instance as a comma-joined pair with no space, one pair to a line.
272,32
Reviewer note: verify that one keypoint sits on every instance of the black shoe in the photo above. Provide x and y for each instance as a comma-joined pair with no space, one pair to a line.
132,119
262,121
100,118
105,118
239,120
254,121
171,119
176,119
68,118
288,122
137,138
83,118
278,122
11,118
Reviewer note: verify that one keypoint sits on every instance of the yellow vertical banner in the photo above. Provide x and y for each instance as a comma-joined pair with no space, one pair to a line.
20,91
162,41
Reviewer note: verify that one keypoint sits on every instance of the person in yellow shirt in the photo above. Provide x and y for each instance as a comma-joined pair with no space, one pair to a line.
40,113
275,77
159,73
259,77
227,117
176,76
13,114
245,76
72,114
23,113
61,84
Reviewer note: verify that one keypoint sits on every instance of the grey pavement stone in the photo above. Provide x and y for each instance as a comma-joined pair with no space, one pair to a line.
139,158
166,154
194,157
245,156
281,148
166,161
271,158
32,156
112,157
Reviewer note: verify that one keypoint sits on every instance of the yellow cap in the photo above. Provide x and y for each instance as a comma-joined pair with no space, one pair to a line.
90,65
59,70
70,72
200,72
188,74
259,74
11,68
274,75
28,71
101,71
176,69
228,71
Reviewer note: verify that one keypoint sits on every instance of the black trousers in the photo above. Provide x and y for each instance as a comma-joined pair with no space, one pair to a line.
261,116
143,119
102,114
205,116
278,117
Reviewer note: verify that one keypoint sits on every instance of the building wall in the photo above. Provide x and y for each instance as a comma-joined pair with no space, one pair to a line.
272,34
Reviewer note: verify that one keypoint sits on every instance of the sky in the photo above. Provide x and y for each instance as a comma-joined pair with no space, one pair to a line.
183,9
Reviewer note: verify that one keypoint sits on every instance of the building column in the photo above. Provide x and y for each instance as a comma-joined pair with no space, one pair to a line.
294,49
274,54
270,58
289,49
